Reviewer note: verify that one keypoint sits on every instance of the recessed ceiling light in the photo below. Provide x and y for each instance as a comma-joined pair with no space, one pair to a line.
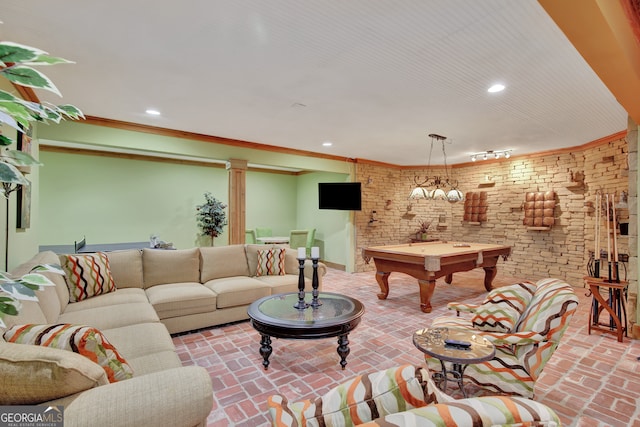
327,144
496,88
152,112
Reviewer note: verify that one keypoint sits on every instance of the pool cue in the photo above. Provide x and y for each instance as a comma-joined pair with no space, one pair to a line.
596,254
608,238
615,238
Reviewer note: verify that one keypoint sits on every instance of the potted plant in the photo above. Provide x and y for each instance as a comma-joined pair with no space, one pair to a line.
211,216
16,65
423,228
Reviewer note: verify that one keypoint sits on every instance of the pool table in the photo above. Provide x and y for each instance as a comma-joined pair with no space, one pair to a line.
429,261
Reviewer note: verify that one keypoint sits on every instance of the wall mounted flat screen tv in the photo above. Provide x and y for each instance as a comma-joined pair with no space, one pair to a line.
345,196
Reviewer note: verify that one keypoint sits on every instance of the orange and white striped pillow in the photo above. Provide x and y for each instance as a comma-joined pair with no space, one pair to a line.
88,275
271,262
84,340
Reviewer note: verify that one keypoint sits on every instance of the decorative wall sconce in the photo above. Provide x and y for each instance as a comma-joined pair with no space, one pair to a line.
491,154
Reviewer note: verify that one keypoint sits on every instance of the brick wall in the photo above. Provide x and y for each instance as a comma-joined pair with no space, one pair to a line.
560,252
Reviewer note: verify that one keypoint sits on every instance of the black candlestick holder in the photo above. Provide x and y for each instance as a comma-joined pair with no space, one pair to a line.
301,304
314,284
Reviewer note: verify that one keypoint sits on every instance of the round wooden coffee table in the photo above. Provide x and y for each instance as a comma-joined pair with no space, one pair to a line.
480,350
276,316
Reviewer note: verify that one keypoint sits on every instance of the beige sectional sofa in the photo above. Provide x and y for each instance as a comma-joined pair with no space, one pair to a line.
157,292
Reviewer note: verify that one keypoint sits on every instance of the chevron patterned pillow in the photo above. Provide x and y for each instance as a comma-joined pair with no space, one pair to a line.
271,262
88,275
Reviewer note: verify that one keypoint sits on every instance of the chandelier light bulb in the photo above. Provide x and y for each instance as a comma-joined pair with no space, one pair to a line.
473,158
507,154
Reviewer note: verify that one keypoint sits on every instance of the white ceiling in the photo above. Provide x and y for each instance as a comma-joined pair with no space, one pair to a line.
375,77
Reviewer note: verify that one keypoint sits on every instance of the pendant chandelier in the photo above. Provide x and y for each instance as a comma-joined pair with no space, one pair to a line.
436,187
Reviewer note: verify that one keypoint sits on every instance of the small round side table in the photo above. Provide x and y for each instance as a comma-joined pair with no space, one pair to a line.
480,350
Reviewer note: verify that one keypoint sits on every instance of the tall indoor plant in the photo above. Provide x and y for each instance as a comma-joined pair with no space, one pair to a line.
211,216
17,64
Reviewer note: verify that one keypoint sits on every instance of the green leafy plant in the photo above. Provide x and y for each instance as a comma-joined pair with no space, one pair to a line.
423,226
211,216
15,289
17,65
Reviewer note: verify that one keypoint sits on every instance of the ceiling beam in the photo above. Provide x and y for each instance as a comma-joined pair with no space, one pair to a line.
603,34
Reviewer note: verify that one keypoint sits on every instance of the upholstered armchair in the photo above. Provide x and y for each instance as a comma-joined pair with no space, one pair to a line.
404,396
525,322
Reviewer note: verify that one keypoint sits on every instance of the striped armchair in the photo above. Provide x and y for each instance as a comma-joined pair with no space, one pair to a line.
525,322
405,396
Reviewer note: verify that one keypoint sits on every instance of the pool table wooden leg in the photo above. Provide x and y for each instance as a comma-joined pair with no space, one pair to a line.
448,278
426,292
489,275
383,281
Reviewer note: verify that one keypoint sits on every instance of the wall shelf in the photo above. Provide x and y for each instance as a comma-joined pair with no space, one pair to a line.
574,185
486,184
539,228
474,223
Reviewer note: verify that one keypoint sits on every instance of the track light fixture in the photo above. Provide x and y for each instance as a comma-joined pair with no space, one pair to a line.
491,154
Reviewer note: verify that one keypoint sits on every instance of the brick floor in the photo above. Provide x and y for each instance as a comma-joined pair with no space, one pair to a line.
591,380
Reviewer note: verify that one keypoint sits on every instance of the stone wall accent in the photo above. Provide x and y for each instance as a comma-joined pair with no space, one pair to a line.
634,309
562,251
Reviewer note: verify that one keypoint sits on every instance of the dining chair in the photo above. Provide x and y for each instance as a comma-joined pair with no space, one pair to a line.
250,236
311,238
298,238
263,232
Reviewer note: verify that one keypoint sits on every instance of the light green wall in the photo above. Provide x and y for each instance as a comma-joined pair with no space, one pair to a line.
79,132
271,201
22,243
116,199
333,230
112,200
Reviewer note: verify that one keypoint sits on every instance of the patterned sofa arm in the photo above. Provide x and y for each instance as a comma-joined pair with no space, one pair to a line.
496,411
361,399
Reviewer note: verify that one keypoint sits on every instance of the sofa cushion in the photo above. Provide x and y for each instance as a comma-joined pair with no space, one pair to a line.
360,399
88,275
84,340
112,316
165,266
271,262
121,296
33,374
139,340
223,261
502,307
126,268
283,284
181,299
235,291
